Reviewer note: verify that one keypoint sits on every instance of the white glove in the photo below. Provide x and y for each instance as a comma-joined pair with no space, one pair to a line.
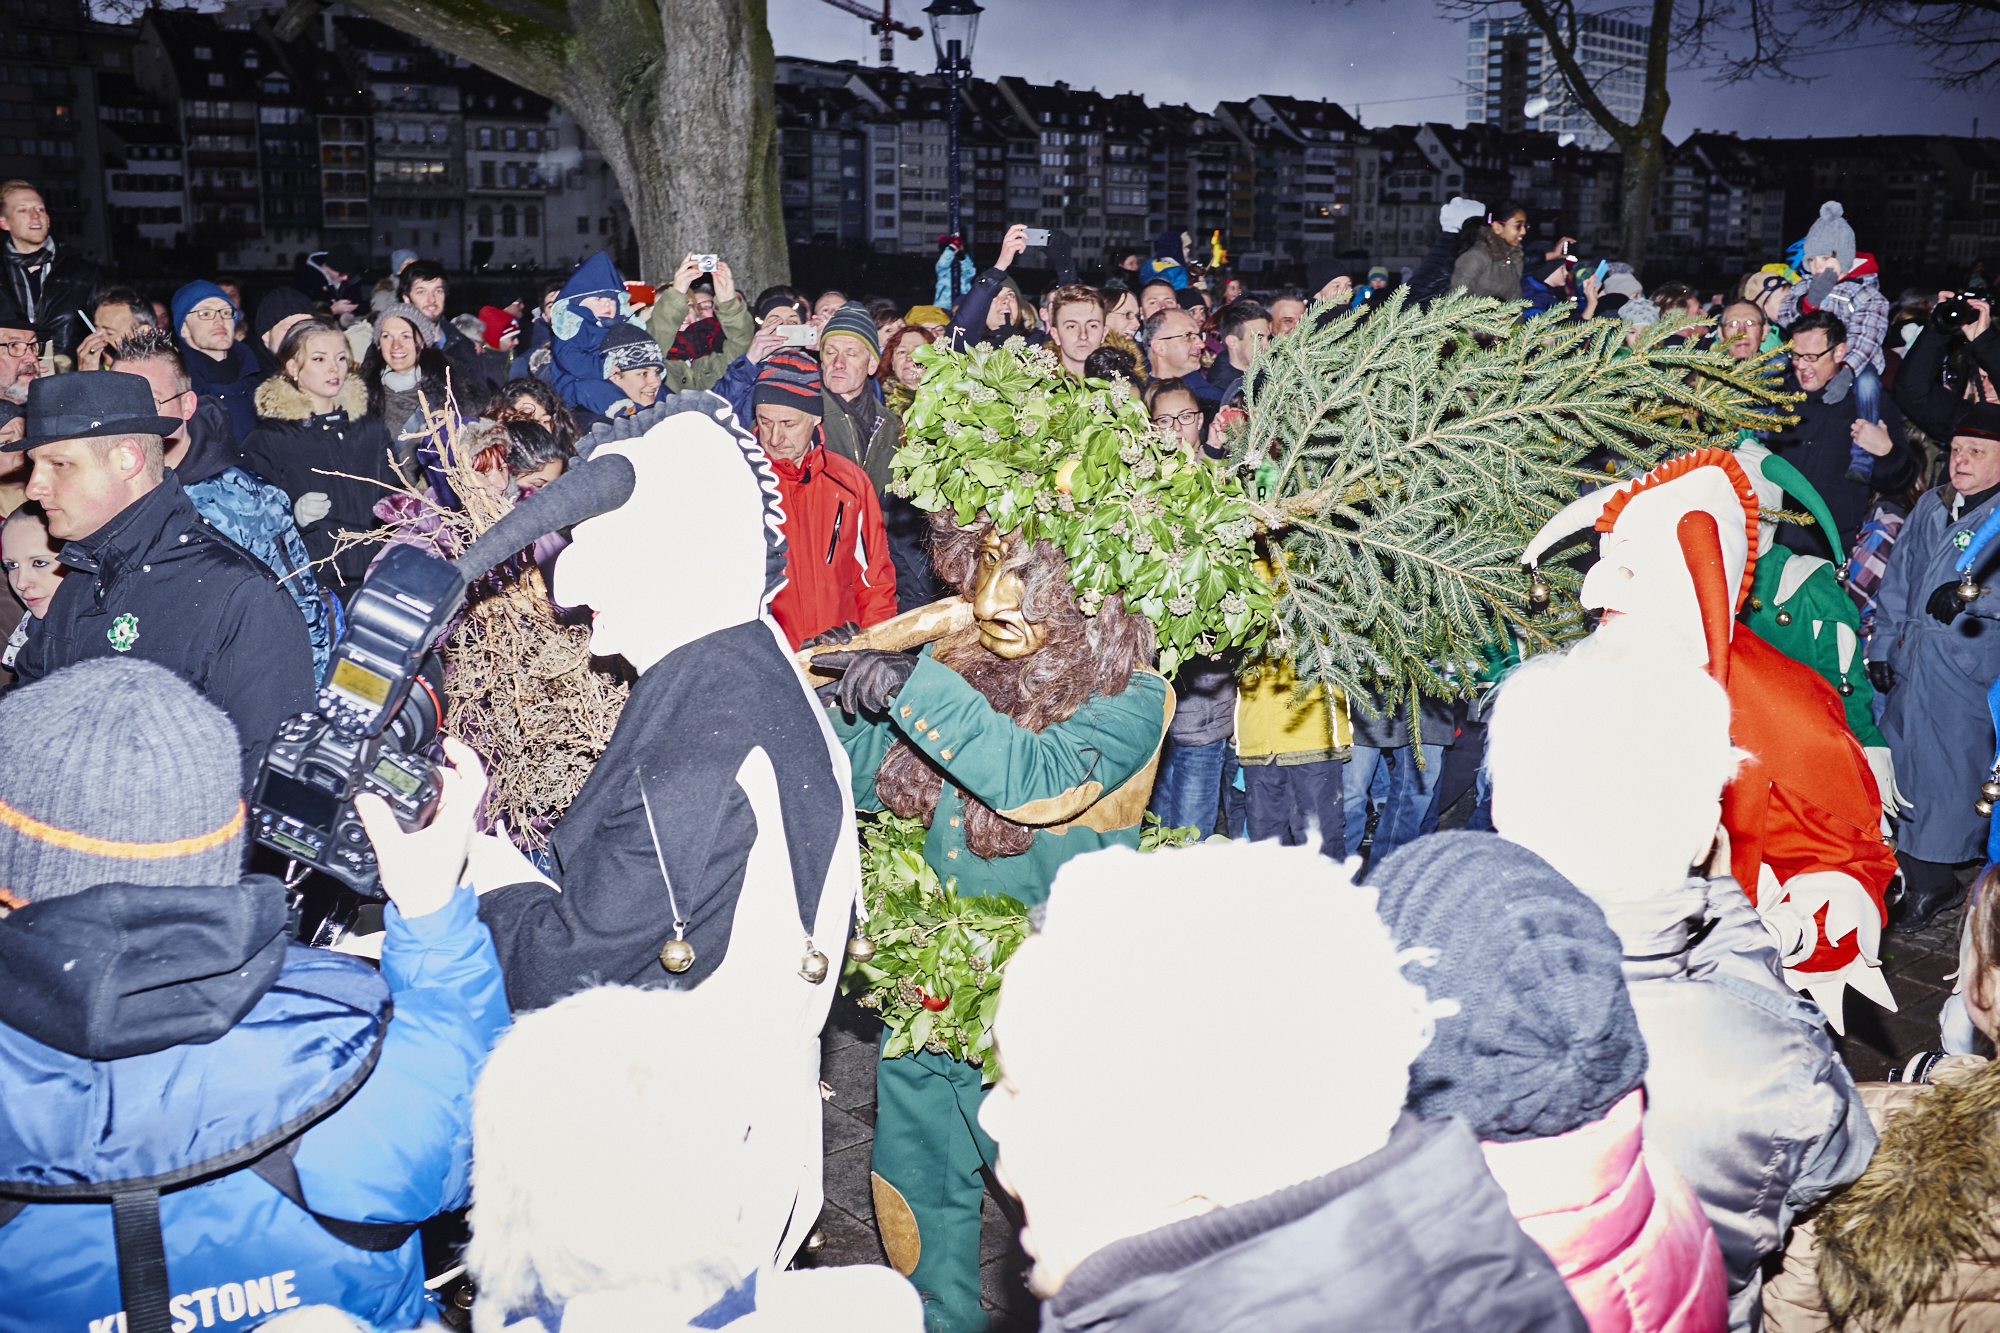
492,861
310,508
1893,801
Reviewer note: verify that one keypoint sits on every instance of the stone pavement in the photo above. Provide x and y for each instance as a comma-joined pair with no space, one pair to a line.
1917,963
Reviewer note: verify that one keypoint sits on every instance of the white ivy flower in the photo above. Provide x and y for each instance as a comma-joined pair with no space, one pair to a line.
1131,452
990,435
1181,605
1234,604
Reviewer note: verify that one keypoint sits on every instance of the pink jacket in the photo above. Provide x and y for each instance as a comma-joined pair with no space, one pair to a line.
1622,1226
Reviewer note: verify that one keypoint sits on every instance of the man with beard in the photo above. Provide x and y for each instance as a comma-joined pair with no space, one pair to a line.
18,364
1024,740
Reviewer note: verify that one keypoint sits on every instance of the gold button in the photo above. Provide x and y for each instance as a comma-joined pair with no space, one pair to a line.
945,753
906,710
931,735
920,724
951,855
954,821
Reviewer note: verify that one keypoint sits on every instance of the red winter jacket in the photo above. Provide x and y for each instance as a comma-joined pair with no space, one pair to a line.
837,553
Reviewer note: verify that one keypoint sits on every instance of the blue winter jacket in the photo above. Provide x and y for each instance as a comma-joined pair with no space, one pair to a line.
576,369
296,1025
257,516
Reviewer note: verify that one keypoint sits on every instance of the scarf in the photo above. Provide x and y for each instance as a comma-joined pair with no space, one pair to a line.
31,271
699,339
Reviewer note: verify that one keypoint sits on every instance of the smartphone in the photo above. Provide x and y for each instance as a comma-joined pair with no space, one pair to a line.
1037,237
707,262
1603,267
799,335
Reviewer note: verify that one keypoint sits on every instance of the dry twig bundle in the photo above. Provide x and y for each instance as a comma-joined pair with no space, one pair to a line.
520,687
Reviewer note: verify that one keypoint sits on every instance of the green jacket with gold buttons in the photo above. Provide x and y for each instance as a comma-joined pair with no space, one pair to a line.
1083,783
1797,605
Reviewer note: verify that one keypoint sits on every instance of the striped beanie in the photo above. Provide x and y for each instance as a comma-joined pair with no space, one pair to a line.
116,771
790,378
629,347
854,321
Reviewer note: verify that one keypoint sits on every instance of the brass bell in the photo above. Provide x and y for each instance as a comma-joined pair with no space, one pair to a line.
1538,593
1968,591
1983,807
813,966
677,956
815,1241
861,949
1756,604
1784,617
1845,689
1990,789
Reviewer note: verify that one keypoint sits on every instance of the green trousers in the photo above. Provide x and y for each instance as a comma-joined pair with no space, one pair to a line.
929,1149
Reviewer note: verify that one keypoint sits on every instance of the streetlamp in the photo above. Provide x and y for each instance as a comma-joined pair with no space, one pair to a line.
954,25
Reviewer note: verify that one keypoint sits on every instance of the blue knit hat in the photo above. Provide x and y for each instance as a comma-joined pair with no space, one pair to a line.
1545,1040
192,295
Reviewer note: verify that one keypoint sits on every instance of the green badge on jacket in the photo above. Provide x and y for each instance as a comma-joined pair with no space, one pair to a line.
124,632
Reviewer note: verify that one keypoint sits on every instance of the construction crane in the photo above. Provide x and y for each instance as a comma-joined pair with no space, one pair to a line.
883,23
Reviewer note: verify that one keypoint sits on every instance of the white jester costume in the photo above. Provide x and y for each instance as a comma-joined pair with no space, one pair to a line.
1802,814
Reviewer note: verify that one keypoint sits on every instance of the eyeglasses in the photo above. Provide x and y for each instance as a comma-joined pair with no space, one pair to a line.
25,347
1173,419
1742,325
1175,337
210,316
1813,358
162,402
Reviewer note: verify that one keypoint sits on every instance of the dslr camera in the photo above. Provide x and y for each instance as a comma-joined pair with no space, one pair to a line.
1954,314
379,709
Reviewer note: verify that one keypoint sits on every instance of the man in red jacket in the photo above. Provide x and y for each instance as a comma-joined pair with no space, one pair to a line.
836,551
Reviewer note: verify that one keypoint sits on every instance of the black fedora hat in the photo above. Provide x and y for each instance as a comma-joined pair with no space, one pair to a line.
91,403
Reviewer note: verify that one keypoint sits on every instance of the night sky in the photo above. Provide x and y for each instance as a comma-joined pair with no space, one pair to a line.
1375,52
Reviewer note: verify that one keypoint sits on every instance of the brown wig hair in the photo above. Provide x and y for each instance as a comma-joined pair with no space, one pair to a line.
1080,657
885,371
1982,932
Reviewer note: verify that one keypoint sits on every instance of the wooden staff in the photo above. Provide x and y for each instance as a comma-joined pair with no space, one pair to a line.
912,629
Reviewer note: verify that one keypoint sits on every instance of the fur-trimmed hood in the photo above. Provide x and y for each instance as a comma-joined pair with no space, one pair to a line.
278,399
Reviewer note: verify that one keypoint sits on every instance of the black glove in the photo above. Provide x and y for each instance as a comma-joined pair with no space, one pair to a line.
1944,605
838,634
869,678
1882,676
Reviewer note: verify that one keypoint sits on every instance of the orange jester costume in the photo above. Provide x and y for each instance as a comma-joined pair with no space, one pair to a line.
1802,814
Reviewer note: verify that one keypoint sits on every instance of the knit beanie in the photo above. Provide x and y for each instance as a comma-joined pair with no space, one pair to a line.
1621,284
1830,235
629,347
1545,1039
192,295
1453,215
790,378
777,298
116,771
279,304
1639,310
854,321
427,332
398,258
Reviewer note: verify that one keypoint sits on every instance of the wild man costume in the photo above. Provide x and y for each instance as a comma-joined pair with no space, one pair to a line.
1029,733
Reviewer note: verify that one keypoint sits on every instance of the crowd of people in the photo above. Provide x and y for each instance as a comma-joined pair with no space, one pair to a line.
1568,1066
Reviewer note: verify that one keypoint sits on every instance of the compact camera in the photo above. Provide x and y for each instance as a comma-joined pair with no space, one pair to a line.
707,262
379,709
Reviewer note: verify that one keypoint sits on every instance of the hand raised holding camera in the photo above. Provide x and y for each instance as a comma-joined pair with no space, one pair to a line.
689,270
1011,245
420,870
725,283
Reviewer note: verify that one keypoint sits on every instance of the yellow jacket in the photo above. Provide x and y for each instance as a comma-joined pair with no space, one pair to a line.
1274,725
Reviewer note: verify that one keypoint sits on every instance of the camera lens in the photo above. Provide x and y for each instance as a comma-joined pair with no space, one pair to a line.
1956,313
416,722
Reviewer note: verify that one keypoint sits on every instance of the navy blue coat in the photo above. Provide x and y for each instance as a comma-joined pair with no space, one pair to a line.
225,1061
232,382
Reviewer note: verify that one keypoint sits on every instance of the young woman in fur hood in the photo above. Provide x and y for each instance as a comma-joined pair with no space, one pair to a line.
316,441
1914,1244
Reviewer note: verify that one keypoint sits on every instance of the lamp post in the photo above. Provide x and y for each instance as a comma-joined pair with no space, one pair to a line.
954,25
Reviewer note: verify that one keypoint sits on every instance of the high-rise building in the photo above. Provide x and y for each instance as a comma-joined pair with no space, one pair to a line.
1507,64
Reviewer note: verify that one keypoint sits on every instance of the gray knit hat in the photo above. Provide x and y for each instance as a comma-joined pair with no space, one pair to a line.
1545,1040
116,771
1639,310
427,332
1830,235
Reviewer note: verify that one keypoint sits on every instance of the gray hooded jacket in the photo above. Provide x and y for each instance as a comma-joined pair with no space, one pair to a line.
1744,1091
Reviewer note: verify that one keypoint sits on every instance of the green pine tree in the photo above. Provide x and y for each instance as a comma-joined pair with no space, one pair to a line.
1405,458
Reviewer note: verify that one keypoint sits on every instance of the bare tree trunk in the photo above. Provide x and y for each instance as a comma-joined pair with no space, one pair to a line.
1643,161
677,95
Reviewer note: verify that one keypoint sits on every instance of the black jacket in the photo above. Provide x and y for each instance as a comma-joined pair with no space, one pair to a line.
472,370
158,580
312,280
1920,388
1819,445
1433,276
232,381
295,451
55,288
